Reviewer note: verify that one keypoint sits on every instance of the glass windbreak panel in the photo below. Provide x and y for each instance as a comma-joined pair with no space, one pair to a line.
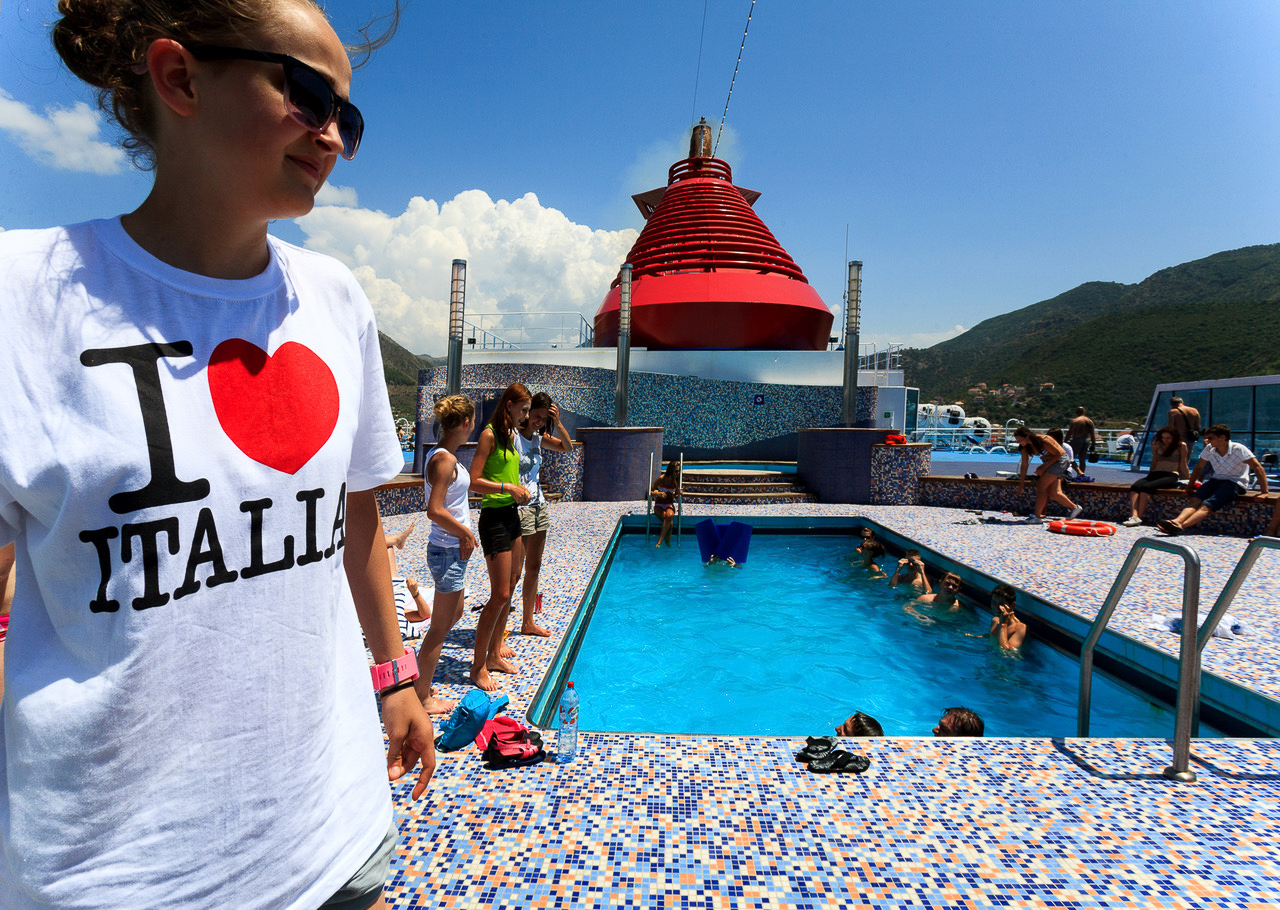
1234,407
1266,408
1267,447
913,411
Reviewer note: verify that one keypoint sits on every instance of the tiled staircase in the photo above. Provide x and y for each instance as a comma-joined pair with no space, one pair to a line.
708,485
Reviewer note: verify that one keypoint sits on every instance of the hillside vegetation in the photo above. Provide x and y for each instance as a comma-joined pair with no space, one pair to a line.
400,367
1105,345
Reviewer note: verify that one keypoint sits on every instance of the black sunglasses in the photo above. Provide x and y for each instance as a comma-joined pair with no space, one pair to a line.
308,96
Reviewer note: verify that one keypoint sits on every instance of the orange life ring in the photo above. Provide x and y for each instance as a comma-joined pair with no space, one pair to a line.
1081,528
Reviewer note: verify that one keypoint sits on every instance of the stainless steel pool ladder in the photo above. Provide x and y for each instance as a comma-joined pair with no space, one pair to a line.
1187,712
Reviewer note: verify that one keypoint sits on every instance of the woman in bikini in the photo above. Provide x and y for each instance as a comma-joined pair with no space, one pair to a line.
1053,468
666,490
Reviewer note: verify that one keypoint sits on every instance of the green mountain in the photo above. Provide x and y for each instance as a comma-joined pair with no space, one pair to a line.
400,367
1105,345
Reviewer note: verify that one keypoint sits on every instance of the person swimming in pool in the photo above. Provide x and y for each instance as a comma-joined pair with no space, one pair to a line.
1006,628
860,724
910,572
873,553
948,594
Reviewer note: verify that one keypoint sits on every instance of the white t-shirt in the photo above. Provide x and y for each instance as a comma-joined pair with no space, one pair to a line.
187,717
1230,466
530,451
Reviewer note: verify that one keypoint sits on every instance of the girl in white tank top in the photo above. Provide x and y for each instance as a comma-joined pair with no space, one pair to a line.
450,541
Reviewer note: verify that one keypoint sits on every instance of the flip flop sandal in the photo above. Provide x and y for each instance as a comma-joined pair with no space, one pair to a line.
840,762
512,755
511,730
1169,528
501,765
505,729
816,747
518,737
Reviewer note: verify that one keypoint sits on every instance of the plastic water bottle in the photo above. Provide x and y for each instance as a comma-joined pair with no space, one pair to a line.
567,735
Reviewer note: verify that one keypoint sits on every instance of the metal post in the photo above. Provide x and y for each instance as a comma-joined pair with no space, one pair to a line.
648,501
852,318
624,348
680,501
457,304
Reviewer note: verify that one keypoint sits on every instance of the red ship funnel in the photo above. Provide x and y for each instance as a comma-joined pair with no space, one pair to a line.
707,273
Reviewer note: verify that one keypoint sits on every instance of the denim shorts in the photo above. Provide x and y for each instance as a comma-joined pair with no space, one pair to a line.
366,885
448,568
1216,494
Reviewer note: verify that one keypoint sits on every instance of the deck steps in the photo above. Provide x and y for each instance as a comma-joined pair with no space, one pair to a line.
735,487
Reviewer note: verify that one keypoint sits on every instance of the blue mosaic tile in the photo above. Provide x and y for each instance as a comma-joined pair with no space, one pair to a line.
734,822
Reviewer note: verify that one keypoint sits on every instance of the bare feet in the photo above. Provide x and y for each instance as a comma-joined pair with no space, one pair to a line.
534,629
399,540
505,652
435,705
500,665
483,680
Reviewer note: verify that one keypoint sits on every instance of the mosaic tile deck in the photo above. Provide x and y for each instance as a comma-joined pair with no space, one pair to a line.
735,822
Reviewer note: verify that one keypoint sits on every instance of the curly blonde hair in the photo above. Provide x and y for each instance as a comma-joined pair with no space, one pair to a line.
453,411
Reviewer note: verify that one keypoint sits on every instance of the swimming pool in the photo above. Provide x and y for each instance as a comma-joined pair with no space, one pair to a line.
785,467
797,640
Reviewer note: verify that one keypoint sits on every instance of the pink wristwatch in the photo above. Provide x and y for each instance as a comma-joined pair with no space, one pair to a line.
394,672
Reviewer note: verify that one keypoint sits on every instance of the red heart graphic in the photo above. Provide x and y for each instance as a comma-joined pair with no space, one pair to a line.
279,409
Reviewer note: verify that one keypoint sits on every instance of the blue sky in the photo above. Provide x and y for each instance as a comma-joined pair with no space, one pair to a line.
982,156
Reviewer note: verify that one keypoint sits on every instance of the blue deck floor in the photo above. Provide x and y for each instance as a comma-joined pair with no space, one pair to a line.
735,822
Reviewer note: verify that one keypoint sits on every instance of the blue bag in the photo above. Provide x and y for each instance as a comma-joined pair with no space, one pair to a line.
464,724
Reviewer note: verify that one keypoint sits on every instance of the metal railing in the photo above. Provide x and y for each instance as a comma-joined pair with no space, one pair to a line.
1187,710
972,440
544,330
1187,658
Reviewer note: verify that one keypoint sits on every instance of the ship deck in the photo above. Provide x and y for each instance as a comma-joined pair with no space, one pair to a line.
734,822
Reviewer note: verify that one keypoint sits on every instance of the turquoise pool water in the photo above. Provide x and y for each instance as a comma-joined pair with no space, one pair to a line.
798,639
783,468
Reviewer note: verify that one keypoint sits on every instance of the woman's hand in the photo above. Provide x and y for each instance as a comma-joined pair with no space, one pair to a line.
466,545
520,494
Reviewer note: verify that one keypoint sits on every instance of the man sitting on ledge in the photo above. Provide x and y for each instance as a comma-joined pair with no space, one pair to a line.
1231,463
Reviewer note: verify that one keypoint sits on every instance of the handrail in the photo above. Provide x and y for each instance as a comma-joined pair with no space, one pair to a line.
680,500
648,501
1188,669
1229,592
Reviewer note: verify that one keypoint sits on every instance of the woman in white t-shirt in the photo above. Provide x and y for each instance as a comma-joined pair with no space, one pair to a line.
195,421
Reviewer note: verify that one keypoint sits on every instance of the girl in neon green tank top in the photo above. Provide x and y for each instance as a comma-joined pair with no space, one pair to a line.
495,474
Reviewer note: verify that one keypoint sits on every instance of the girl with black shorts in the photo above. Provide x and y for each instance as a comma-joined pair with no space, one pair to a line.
1168,463
495,474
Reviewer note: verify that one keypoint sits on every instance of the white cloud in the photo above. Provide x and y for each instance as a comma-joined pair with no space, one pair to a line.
649,170
65,138
332,194
523,260
910,340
